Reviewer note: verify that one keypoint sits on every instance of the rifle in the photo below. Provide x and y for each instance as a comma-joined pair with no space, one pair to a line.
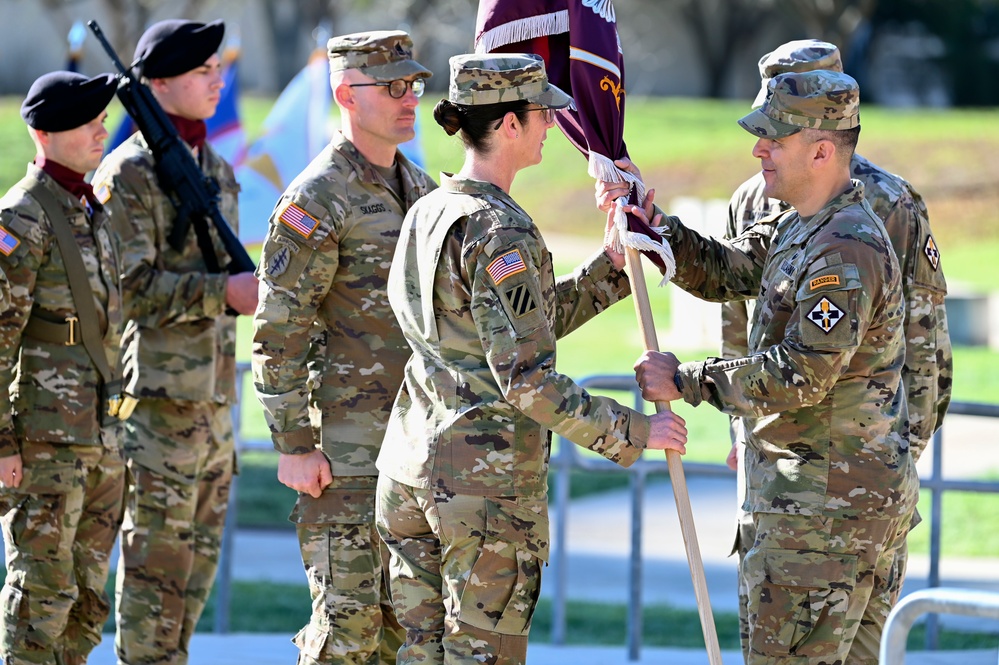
193,195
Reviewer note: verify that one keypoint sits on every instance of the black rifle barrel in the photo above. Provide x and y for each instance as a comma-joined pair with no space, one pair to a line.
194,196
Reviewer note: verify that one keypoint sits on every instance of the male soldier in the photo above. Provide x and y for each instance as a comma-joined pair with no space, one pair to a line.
180,351
324,270
928,366
61,467
831,483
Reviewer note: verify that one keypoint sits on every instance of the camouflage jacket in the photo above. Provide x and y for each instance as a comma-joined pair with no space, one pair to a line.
929,368
179,343
52,391
820,391
473,287
324,306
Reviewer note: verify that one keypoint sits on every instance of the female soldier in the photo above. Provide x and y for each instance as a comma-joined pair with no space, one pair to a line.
463,469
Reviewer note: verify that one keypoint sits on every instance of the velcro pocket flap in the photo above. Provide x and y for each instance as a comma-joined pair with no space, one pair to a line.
841,277
335,506
48,478
789,568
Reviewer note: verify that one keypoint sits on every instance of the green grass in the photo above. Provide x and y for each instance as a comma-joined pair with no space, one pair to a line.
689,147
266,607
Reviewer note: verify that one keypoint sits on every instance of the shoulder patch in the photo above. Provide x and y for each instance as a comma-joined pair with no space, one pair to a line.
297,219
520,300
825,315
932,253
8,242
825,280
505,265
102,192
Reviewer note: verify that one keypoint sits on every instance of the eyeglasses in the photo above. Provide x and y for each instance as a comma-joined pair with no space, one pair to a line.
547,113
397,88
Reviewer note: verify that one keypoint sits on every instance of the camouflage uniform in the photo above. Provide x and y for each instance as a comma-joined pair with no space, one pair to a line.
463,469
334,274
59,525
831,482
928,370
179,347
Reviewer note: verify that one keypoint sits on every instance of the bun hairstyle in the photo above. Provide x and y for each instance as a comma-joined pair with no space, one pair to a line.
476,122
448,115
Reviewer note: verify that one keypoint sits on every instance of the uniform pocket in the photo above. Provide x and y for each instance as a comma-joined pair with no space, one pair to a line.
803,599
335,506
503,586
16,619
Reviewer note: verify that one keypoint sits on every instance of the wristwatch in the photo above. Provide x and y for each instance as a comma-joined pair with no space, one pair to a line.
678,381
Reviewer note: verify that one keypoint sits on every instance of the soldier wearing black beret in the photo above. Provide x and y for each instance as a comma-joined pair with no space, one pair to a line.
62,473
179,441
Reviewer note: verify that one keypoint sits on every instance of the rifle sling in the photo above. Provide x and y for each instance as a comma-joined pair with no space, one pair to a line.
79,283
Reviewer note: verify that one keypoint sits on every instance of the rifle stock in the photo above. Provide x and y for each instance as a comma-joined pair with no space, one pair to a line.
194,196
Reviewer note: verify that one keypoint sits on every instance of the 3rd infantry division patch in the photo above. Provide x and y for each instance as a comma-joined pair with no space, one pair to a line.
521,301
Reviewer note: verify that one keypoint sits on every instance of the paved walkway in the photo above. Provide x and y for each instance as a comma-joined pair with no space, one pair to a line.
597,566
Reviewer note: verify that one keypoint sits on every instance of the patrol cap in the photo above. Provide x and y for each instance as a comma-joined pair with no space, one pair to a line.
384,55
819,99
484,78
176,46
800,55
60,101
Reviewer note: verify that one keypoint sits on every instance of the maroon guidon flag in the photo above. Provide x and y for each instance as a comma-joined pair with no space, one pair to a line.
579,43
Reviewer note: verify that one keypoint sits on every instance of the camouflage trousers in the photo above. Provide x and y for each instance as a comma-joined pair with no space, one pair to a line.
818,590
465,572
745,537
59,527
181,461
353,621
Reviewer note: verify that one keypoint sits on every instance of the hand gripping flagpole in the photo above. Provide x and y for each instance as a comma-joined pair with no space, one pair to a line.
633,244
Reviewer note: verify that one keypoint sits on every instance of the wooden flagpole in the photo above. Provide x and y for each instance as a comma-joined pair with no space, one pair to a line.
643,309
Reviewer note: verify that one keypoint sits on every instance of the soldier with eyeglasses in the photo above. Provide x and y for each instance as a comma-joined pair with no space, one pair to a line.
328,354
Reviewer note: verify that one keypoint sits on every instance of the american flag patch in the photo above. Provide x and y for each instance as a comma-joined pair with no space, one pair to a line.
8,241
103,193
302,222
505,265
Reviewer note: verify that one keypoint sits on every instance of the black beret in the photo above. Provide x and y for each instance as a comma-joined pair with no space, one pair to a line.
175,47
60,101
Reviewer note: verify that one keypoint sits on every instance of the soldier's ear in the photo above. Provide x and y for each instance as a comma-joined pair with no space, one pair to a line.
343,95
824,152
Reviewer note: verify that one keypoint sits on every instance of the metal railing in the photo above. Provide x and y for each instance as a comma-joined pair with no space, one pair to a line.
941,600
568,458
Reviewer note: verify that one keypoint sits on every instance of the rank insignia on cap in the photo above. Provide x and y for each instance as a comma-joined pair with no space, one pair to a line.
103,193
932,253
506,265
825,315
298,220
8,241
825,280
521,301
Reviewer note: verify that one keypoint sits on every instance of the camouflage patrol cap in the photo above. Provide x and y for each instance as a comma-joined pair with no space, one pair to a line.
819,99
384,55
800,55
484,78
